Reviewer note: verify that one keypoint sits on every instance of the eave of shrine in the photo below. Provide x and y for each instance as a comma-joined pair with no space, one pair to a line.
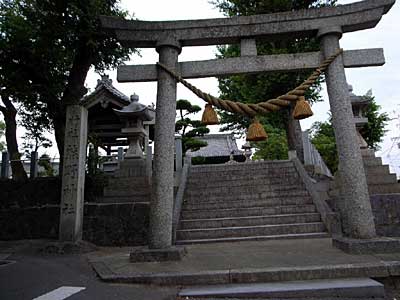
104,94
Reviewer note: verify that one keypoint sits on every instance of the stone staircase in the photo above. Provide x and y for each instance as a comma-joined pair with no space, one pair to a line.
341,289
247,201
379,178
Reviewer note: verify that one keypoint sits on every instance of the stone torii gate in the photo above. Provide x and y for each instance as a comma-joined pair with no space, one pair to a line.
327,24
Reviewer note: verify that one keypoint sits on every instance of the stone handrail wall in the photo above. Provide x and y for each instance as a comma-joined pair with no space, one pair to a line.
178,201
319,195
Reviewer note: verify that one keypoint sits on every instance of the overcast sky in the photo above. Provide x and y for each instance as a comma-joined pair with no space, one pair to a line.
384,81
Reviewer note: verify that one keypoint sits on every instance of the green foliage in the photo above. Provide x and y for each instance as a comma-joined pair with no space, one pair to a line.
198,160
37,124
45,163
183,124
323,137
274,148
47,48
2,130
374,131
251,7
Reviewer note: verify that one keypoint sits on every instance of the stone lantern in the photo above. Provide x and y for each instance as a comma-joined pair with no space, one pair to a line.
134,114
359,105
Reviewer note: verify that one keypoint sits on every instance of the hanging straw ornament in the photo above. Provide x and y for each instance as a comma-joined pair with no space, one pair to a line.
256,132
302,110
209,116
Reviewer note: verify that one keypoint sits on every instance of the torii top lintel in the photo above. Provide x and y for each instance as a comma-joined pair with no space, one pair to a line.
146,34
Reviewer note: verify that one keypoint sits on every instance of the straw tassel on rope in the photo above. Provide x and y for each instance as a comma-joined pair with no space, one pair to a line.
256,132
302,110
209,116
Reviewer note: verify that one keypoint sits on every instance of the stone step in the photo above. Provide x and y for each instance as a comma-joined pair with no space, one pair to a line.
372,161
272,201
281,173
377,170
360,288
313,235
243,182
393,188
251,211
227,197
116,192
127,180
123,199
243,190
381,179
265,165
249,221
262,230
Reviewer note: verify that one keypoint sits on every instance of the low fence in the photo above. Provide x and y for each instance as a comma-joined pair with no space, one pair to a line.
34,166
107,163
313,158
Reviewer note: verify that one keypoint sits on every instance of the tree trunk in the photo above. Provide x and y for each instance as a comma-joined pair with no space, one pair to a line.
73,93
294,135
9,112
59,134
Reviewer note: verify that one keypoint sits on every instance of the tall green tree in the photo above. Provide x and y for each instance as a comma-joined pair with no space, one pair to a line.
188,128
256,88
323,135
374,131
47,48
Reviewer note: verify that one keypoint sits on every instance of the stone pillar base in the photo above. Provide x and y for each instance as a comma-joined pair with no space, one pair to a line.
157,255
367,246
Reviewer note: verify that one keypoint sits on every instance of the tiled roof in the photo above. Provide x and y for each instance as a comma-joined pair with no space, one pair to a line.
217,145
106,83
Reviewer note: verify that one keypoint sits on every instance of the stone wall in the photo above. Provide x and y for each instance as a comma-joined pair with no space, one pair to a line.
122,224
386,209
31,210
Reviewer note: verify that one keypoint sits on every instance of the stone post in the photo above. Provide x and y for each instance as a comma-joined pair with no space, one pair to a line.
162,197
73,177
120,154
146,138
356,206
34,164
149,163
178,154
5,165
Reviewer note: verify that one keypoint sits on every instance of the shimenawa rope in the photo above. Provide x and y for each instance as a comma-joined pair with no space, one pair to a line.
261,108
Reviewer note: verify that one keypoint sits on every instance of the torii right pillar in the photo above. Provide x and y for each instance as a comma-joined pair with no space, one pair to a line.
355,206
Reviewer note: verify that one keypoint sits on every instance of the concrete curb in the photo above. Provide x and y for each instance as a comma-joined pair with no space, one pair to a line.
248,275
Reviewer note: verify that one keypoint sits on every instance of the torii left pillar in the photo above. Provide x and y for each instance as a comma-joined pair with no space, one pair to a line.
162,190
162,199
73,176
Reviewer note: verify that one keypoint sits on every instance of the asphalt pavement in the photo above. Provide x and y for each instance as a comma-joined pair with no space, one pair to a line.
30,275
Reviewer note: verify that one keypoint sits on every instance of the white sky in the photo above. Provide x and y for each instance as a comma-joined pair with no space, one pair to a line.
384,81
